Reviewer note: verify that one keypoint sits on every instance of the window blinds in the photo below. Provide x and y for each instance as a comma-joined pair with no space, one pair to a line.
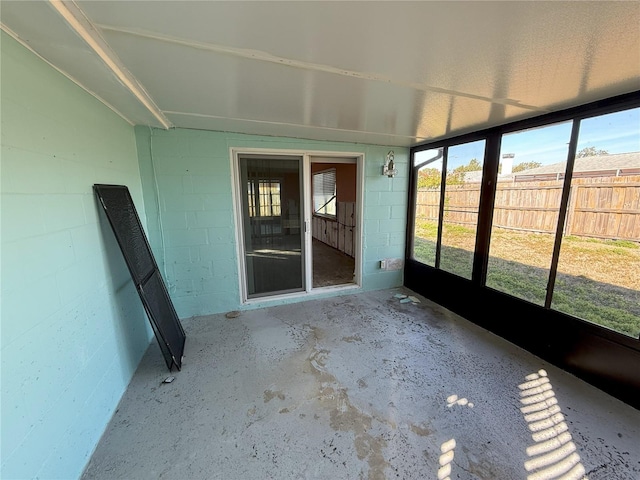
324,192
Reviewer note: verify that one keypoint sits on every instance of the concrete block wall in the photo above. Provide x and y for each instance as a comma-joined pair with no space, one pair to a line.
72,326
186,176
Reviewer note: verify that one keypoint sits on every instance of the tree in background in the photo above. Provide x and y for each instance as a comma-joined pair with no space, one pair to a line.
430,177
590,152
473,166
457,175
525,166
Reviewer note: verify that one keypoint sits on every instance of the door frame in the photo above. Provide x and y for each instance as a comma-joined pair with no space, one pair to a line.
329,157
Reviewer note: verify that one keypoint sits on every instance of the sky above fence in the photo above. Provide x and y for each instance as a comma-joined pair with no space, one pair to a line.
615,133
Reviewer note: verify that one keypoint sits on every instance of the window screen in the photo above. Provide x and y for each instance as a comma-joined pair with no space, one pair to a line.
125,223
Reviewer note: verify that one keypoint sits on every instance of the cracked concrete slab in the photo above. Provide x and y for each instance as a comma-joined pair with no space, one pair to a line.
361,386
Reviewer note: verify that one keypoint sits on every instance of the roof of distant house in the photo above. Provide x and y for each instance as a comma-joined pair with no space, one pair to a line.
598,163
618,164
473,177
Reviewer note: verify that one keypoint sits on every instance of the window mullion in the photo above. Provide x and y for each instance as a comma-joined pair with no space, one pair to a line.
485,208
562,214
443,179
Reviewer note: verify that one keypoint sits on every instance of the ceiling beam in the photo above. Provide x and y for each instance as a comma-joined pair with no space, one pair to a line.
81,24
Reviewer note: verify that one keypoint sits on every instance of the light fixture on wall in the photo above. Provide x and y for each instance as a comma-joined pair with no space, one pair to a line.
388,168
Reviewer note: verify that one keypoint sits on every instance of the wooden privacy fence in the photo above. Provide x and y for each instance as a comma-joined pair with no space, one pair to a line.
601,207
339,232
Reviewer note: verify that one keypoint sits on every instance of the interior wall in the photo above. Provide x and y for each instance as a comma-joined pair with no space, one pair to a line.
189,171
73,328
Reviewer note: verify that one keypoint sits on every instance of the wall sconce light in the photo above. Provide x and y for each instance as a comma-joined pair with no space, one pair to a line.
388,168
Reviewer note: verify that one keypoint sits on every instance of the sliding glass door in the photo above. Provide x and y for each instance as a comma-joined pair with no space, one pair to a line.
271,191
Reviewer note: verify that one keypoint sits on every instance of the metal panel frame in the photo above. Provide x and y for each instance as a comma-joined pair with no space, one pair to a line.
171,342
600,356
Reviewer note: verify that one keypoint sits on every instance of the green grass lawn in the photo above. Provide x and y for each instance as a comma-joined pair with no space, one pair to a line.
597,280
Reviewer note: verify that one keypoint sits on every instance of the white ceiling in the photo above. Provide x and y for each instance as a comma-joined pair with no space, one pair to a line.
391,73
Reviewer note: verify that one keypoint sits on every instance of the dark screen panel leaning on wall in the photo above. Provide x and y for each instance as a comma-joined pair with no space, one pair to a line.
123,218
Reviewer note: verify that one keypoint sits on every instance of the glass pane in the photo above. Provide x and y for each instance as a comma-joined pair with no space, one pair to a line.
272,217
598,275
427,205
525,215
461,202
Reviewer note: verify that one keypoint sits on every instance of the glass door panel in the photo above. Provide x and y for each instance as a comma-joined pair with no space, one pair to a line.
461,203
271,189
598,276
525,215
427,209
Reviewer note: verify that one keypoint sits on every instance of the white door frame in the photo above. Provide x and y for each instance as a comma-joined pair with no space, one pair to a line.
328,157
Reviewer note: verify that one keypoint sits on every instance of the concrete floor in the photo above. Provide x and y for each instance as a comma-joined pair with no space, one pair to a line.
361,386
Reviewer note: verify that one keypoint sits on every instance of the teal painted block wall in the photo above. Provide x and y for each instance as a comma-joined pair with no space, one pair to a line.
186,177
73,328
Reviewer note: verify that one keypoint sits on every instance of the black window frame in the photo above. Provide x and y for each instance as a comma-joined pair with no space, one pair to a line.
603,357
